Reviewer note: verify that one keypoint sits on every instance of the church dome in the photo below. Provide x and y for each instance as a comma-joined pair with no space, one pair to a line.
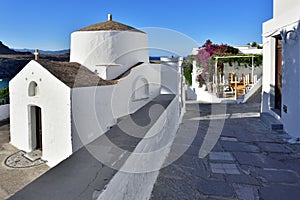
110,25
109,48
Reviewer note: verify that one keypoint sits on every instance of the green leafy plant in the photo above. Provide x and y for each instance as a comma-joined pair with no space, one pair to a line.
258,58
4,95
188,74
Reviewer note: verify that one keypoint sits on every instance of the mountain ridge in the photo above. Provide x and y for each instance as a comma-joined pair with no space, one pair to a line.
6,50
57,52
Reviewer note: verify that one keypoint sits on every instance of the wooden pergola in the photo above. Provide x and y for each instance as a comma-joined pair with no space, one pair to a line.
217,58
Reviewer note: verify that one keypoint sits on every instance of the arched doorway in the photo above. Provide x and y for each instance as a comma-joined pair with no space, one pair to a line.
35,119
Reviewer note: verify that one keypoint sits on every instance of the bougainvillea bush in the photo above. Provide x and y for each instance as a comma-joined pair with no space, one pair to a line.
206,60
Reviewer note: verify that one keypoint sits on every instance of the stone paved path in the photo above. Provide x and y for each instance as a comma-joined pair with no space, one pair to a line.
86,173
245,162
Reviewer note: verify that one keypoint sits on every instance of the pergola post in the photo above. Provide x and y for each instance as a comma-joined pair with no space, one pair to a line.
216,70
216,76
252,72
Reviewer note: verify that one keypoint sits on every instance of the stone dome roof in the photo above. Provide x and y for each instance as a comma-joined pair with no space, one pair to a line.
110,25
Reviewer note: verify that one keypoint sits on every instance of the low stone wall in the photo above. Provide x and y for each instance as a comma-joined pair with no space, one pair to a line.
4,112
253,90
136,178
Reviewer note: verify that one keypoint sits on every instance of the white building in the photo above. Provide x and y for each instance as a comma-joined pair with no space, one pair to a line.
247,49
195,51
58,107
281,74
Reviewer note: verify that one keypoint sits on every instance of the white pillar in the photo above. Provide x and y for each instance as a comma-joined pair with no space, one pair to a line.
252,72
216,71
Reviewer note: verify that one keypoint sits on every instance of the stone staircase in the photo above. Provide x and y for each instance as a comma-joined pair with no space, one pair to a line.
271,122
34,155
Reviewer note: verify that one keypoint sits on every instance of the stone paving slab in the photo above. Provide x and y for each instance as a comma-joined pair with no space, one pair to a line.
221,156
268,166
277,176
215,188
241,179
280,192
274,147
230,139
257,160
239,147
224,168
244,192
177,189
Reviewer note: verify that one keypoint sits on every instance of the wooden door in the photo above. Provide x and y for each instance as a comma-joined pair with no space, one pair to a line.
278,74
38,114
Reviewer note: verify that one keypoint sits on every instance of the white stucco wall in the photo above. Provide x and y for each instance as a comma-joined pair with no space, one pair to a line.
268,80
94,48
285,14
54,101
286,24
96,109
91,114
291,85
281,6
123,101
251,51
170,75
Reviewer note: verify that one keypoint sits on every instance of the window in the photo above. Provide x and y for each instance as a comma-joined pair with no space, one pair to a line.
33,89
141,89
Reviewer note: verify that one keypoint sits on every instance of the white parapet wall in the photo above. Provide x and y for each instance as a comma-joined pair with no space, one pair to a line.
4,112
136,178
136,89
105,104
170,75
253,90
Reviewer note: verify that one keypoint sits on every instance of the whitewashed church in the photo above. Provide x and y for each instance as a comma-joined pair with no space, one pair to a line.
57,107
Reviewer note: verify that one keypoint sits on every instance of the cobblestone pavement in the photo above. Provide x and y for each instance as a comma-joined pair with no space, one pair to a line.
12,180
245,162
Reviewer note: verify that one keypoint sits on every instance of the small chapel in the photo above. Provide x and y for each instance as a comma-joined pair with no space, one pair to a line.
58,107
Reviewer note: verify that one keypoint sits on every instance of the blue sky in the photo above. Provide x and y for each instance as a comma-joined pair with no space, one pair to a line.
47,24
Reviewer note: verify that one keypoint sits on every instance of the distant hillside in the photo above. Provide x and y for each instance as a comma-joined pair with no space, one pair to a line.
12,61
6,50
59,52
10,65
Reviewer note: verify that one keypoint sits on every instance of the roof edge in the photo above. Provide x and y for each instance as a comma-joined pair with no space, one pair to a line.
110,26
